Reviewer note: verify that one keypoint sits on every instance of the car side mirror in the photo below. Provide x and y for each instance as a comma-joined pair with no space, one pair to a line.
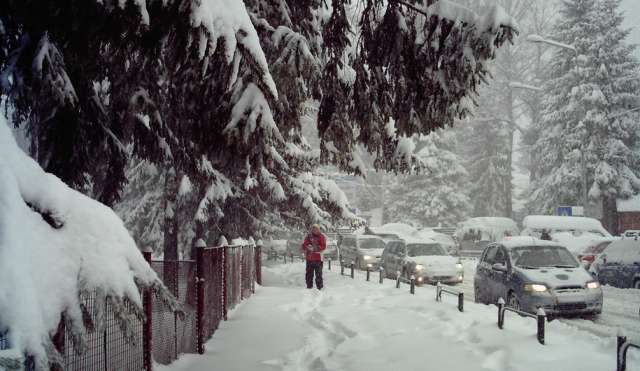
499,267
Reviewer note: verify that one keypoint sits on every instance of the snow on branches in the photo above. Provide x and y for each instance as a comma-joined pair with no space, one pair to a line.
56,245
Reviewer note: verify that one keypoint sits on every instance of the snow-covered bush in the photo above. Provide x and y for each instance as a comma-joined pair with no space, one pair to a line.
56,244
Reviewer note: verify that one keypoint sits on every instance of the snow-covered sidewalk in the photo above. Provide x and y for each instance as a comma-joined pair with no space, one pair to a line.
359,325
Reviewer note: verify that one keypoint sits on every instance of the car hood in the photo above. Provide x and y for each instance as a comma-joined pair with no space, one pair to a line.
435,261
371,252
557,277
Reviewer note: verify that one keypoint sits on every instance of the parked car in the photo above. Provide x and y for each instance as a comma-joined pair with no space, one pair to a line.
425,259
364,250
591,253
619,264
530,273
475,234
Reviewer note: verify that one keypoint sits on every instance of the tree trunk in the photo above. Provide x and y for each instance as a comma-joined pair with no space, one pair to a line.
170,248
508,205
610,214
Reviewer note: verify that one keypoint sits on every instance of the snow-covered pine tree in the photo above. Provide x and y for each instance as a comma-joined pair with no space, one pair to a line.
437,196
485,151
588,135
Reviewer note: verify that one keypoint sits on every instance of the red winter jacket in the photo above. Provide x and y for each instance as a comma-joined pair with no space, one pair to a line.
313,246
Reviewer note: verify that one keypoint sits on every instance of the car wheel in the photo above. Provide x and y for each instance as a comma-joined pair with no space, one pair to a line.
513,301
636,284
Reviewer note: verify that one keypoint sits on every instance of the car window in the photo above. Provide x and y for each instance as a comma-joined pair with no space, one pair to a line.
490,255
500,257
401,250
617,252
424,250
597,249
371,243
542,256
349,242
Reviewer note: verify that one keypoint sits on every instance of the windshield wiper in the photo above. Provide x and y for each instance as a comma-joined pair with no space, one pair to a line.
526,267
564,266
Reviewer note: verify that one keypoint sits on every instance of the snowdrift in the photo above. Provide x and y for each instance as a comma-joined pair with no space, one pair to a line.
56,243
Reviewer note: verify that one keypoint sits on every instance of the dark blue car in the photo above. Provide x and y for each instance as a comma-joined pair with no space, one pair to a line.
529,274
619,264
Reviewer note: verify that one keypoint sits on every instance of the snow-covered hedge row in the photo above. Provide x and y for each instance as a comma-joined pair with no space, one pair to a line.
55,244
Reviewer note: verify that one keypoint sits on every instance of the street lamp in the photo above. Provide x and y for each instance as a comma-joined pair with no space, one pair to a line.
541,40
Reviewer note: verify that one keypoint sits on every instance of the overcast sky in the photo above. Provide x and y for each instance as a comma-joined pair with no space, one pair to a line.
632,20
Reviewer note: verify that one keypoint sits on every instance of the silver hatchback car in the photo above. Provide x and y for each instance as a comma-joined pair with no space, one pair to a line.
530,273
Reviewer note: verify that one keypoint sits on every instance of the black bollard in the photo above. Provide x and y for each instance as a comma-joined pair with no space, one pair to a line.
500,313
398,280
621,364
352,267
368,272
285,258
329,264
412,288
342,267
381,273
461,302
541,316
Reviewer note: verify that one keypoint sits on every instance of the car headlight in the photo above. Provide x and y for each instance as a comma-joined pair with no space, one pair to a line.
535,287
593,285
419,267
367,257
459,266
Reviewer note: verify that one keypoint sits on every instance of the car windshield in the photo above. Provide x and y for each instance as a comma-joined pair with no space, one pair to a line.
371,243
543,256
424,249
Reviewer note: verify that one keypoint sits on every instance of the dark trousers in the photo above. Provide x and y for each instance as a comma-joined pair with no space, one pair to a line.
314,267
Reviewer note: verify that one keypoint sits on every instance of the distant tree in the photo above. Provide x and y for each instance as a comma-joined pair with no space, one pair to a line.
437,196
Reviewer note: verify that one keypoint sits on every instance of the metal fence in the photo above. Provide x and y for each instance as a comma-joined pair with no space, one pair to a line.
207,287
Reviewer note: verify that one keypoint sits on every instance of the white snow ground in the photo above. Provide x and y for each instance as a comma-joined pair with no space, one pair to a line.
359,325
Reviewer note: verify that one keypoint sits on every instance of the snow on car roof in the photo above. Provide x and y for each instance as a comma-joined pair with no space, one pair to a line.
418,240
556,222
525,241
400,229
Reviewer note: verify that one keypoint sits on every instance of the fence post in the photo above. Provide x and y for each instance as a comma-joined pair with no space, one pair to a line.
368,272
412,288
397,279
438,292
500,313
461,302
342,267
259,245
147,328
225,275
352,266
200,246
381,277
621,362
541,316
329,264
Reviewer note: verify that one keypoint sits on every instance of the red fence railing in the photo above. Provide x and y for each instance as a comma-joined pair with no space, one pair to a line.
207,287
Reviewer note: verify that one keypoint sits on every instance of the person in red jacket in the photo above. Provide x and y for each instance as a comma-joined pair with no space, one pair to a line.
313,246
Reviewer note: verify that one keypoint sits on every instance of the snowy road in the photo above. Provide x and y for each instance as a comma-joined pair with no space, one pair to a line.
356,325
620,309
